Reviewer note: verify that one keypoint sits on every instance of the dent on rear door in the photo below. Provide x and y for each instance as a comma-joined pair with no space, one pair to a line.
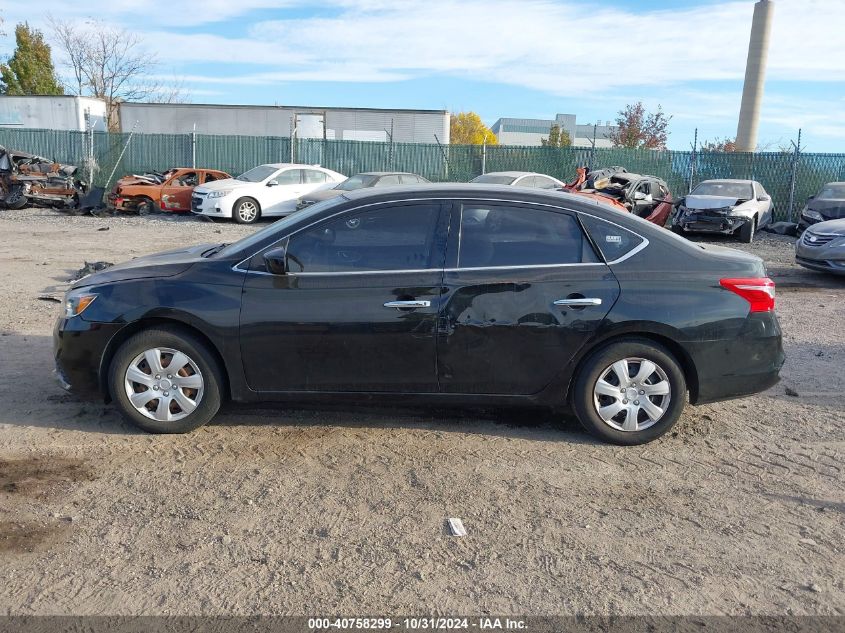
500,331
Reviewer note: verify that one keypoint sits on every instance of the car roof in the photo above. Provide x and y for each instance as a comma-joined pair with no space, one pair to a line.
466,190
292,165
514,174
384,173
733,181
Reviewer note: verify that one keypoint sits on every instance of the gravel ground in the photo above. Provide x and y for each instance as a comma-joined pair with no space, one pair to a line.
329,510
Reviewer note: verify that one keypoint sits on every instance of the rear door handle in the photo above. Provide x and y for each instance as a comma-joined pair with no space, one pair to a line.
580,302
404,305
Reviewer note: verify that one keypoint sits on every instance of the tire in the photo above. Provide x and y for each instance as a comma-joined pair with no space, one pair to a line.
246,211
18,198
677,230
747,231
204,393
668,398
145,205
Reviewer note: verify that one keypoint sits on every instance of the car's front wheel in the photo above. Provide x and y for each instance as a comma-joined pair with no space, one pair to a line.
246,211
165,380
631,391
747,231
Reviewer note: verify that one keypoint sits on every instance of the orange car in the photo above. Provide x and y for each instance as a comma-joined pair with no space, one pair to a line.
168,191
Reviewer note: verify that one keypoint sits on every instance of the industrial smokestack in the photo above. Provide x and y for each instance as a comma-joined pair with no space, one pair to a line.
755,76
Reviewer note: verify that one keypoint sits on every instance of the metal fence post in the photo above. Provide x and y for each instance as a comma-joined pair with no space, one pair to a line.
795,156
194,147
692,162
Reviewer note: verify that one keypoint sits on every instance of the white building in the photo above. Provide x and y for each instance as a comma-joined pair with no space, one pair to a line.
357,124
52,112
511,131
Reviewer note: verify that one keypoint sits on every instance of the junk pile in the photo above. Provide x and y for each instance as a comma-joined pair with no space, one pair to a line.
31,180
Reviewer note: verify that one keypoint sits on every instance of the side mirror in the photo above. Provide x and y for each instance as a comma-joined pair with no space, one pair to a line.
764,198
276,260
272,183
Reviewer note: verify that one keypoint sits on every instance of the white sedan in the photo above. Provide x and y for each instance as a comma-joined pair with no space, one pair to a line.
519,179
266,190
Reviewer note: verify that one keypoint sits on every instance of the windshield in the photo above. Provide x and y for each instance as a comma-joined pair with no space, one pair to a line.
494,179
276,228
739,190
358,181
257,174
832,192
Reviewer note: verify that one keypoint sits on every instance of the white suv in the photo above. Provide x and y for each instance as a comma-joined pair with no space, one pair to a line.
266,190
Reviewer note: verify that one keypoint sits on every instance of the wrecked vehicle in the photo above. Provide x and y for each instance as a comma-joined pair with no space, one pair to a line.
645,196
31,180
827,204
729,207
166,191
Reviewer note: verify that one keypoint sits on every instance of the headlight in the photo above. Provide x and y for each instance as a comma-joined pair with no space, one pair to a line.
76,304
813,215
219,193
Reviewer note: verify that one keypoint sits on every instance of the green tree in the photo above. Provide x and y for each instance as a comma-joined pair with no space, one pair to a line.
557,137
467,128
30,69
636,128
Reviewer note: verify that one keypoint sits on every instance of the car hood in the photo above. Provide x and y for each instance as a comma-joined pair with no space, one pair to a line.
829,209
323,194
226,183
164,264
711,202
830,226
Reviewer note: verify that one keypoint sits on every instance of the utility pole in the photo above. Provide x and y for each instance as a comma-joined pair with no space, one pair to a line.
693,164
795,156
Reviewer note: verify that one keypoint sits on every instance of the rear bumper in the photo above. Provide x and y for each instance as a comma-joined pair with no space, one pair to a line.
78,350
745,365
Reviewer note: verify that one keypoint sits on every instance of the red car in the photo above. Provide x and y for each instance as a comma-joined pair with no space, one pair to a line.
168,191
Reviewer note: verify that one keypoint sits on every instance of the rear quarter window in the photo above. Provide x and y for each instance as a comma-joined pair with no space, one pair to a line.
612,240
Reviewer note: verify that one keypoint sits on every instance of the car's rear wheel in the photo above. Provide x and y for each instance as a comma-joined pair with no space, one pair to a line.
747,231
246,211
165,380
629,392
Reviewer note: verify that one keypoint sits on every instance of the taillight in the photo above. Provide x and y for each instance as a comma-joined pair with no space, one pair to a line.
758,291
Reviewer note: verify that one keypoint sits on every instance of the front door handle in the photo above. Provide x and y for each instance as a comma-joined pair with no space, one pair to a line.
580,302
404,305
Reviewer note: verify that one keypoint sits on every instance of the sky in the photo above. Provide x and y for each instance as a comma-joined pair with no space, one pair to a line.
499,58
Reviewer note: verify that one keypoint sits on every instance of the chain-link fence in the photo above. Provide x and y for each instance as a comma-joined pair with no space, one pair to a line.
790,177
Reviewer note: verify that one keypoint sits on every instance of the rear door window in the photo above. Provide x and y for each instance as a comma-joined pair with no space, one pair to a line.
387,181
541,182
613,241
505,236
312,176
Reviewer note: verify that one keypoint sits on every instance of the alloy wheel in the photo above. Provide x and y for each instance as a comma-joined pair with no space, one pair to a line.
164,384
247,211
632,394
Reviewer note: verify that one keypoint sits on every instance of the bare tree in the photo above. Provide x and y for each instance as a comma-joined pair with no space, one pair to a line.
111,64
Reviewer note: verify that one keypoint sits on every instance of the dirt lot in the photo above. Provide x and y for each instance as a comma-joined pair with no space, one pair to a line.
317,511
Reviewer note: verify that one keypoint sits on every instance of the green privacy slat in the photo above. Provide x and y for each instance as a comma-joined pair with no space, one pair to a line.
456,163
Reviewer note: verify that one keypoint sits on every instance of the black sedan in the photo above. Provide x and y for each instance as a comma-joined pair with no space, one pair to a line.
470,294
364,180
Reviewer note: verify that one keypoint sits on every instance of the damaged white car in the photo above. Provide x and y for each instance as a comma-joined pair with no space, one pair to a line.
732,207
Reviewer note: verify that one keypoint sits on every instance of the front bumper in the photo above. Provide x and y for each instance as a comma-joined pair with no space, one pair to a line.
828,256
745,365
212,207
79,349
708,221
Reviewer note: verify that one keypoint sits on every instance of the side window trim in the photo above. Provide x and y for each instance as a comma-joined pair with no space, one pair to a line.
446,205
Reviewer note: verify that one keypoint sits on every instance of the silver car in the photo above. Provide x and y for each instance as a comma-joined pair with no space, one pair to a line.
739,207
822,247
